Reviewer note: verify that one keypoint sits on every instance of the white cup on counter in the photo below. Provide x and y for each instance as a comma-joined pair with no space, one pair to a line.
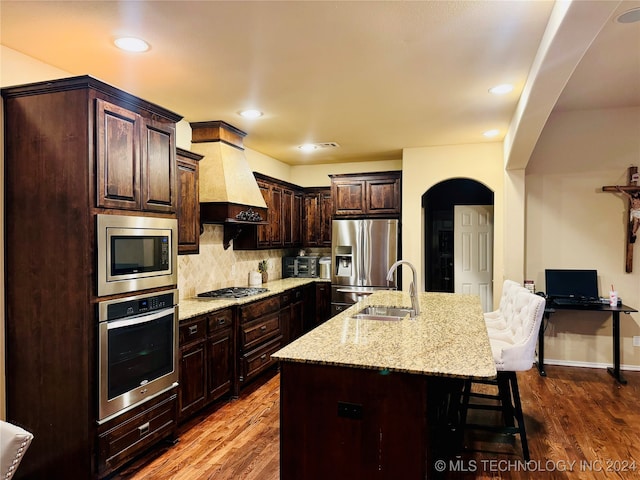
255,278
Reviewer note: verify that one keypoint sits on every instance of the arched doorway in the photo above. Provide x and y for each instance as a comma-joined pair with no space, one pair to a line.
439,204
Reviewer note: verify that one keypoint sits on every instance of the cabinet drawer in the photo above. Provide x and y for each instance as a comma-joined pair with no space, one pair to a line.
129,437
257,309
259,359
192,331
260,330
219,320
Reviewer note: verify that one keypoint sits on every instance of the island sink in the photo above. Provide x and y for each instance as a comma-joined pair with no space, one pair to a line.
373,312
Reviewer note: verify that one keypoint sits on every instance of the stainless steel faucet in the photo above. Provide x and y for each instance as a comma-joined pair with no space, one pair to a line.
413,289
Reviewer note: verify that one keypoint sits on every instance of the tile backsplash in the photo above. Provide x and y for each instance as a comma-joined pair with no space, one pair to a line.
214,267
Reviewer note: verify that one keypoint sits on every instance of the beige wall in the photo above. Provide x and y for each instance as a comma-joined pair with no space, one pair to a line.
318,175
571,223
427,166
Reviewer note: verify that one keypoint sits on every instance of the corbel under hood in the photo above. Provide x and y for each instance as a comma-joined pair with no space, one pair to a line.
228,190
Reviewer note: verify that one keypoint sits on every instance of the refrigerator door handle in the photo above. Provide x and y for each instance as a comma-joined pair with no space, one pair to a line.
362,252
359,292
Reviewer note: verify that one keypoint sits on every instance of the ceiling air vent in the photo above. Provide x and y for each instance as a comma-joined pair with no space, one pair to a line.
327,145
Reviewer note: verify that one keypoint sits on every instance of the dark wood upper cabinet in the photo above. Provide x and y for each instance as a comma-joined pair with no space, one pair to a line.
366,195
158,165
275,216
188,202
284,217
136,163
118,156
317,215
296,219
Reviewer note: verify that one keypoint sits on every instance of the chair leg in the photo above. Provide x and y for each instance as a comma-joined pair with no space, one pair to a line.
510,406
519,415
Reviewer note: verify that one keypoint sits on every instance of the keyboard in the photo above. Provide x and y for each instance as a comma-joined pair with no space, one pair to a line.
577,302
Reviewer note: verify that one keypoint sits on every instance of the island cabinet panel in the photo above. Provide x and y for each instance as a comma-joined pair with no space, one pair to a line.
367,195
352,424
188,202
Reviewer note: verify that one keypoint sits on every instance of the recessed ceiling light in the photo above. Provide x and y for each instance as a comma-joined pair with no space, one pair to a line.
308,147
131,44
251,113
631,16
491,133
501,89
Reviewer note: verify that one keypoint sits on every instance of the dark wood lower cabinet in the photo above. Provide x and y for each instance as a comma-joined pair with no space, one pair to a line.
192,366
323,302
206,360
256,361
126,436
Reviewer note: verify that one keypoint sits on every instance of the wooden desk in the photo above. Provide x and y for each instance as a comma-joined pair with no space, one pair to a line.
552,308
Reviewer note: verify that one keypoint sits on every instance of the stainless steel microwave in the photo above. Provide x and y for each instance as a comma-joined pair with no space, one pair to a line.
136,253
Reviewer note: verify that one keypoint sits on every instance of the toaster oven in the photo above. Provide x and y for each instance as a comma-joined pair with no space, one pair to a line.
302,267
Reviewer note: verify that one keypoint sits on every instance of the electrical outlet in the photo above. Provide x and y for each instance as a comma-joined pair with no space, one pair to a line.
636,341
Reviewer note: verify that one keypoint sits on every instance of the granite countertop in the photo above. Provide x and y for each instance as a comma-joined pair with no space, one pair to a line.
448,338
192,307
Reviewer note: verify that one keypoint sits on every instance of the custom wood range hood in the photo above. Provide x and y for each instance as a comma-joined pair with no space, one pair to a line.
229,193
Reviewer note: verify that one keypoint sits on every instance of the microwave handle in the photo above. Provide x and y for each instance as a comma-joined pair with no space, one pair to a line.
138,319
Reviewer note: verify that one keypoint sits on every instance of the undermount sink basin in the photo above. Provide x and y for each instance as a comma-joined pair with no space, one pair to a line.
382,313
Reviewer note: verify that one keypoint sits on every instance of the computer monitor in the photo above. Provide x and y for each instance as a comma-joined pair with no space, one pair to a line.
571,283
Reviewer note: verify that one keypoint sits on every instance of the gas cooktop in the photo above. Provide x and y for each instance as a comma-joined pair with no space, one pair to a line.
233,292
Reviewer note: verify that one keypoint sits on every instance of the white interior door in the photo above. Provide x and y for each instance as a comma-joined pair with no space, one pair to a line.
473,252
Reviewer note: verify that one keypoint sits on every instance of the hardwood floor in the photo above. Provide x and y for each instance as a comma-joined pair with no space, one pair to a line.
580,425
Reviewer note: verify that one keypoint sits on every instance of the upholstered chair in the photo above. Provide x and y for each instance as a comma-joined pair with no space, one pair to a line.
14,442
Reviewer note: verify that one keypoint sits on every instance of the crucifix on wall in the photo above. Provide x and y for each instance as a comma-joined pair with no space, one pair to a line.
632,192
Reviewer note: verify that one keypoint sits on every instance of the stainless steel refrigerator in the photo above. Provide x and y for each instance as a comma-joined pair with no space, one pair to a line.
362,251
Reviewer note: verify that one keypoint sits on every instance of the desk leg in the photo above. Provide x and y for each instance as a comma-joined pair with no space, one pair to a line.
615,371
541,347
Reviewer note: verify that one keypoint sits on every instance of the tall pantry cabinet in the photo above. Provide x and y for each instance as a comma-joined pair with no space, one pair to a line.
73,148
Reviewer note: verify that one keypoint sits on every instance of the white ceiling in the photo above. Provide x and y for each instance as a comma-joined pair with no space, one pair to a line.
375,77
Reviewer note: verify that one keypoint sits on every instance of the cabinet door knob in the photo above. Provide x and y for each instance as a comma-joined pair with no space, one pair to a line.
263,357
221,321
193,329
263,327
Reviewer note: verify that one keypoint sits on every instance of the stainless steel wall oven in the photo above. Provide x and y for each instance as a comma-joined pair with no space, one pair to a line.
137,346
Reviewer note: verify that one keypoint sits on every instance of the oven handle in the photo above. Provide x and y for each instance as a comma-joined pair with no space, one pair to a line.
138,319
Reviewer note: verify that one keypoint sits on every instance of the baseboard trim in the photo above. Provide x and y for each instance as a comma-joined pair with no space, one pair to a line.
572,363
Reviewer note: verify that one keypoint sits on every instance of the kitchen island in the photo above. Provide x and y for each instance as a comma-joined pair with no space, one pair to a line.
369,399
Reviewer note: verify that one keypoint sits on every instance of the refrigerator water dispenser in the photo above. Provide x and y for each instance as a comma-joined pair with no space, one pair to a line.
344,261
